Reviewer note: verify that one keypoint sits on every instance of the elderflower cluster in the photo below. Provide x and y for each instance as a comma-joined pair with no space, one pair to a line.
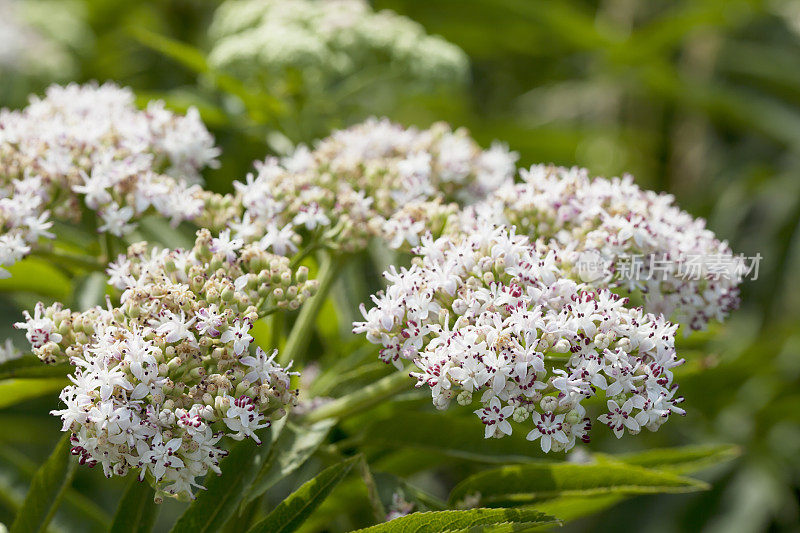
490,317
374,179
162,377
326,41
89,145
599,225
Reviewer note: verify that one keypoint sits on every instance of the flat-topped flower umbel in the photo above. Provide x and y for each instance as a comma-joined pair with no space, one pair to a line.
89,145
161,378
490,317
376,179
681,269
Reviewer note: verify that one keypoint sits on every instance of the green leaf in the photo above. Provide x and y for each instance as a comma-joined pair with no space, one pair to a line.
531,482
262,332
188,56
378,510
29,366
673,460
156,229
683,460
137,510
292,448
13,391
452,435
214,506
18,471
292,511
390,484
468,520
90,291
569,508
37,276
46,490
262,105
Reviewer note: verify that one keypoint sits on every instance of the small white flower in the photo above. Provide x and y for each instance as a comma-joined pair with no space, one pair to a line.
239,335
495,418
242,418
549,428
225,245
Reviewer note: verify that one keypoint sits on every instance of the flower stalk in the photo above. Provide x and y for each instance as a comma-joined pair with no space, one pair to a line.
360,400
304,325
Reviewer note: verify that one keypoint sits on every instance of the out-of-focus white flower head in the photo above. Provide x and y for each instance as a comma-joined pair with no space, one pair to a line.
38,37
329,40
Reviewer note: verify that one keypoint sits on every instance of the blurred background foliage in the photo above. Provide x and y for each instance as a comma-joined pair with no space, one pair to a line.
699,98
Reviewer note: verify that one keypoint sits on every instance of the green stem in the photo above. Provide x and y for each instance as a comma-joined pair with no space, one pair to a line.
378,511
360,400
304,325
302,254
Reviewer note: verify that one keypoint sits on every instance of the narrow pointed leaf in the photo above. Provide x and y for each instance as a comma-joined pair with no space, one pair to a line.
292,448
14,391
46,490
682,460
29,366
213,507
18,471
389,485
292,511
568,508
137,510
463,521
195,60
453,436
36,276
531,482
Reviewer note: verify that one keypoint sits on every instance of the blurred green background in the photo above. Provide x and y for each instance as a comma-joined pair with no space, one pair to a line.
698,98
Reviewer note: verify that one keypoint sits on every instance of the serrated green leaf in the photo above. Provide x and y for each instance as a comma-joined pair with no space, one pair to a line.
531,482
13,391
214,506
682,460
292,511
293,447
46,490
462,521
137,510
29,366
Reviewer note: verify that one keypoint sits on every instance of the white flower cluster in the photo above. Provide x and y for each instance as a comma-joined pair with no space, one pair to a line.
489,315
161,378
326,41
600,225
35,38
9,352
90,145
374,179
